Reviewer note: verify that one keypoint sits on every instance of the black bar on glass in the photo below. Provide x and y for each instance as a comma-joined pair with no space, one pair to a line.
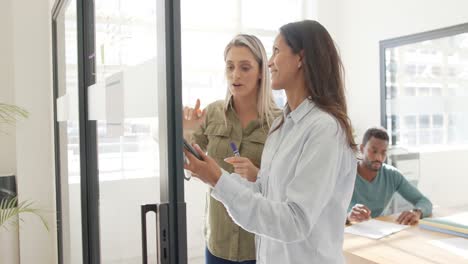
56,10
163,232
172,185
88,135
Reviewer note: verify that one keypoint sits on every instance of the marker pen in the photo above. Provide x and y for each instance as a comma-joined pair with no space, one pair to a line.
234,149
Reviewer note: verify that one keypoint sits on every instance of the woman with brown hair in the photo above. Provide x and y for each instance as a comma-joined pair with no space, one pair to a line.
243,118
298,204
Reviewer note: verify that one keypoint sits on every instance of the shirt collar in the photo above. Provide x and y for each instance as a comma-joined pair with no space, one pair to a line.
373,180
250,127
300,112
230,106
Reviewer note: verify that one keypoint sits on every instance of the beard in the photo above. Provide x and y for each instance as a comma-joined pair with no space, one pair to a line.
373,165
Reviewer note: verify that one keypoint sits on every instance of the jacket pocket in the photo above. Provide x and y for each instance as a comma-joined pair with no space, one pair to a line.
253,147
218,141
219,129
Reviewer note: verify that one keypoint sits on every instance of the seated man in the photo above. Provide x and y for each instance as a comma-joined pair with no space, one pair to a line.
376,183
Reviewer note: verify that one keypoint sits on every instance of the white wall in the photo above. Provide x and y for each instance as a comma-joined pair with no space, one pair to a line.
32,77
443,177
7,138
326,12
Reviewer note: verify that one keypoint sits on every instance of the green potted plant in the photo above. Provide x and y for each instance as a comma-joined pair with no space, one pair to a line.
10,211
9,114
10,208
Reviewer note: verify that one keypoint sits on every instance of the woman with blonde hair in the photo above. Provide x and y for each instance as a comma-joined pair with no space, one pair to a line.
243,119
298,204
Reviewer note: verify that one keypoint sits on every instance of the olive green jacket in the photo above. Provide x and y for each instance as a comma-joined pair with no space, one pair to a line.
224,238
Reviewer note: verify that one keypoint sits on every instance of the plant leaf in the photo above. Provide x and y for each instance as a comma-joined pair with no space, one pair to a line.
10,211
9,114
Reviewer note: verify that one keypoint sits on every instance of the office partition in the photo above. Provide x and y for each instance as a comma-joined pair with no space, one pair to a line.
117,91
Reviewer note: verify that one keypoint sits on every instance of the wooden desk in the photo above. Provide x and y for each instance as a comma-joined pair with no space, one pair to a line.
408,246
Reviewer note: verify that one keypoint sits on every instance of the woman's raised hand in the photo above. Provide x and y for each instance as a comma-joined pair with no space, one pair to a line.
193,117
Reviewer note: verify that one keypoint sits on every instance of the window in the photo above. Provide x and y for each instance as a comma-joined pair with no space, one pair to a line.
410,91
424,121
438,121
432,70
424,91
410,122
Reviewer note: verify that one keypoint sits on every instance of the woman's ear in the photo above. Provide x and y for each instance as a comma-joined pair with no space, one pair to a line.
301,59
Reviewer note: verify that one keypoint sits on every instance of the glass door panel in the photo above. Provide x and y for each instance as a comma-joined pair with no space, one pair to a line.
204,39
124,101
68,133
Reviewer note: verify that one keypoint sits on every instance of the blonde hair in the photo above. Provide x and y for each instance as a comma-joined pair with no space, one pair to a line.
266,106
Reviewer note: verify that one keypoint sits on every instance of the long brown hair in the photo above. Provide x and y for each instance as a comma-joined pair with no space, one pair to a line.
323,70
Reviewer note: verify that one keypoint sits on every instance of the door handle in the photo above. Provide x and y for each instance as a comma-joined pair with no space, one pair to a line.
144,210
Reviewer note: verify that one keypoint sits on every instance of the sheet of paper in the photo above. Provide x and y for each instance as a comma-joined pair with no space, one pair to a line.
374,229
457,245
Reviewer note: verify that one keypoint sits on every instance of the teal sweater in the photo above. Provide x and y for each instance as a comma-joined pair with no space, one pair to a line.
377,194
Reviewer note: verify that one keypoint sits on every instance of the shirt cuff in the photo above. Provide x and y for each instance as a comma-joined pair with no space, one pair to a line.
226,189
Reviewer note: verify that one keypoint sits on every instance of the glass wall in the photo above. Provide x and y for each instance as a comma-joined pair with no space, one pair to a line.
125,105
204,38
68,129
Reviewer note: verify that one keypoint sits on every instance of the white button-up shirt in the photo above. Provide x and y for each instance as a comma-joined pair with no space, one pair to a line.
297,207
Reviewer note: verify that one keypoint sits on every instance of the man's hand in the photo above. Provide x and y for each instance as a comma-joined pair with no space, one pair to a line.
206,170
359,213
244,167
409,217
